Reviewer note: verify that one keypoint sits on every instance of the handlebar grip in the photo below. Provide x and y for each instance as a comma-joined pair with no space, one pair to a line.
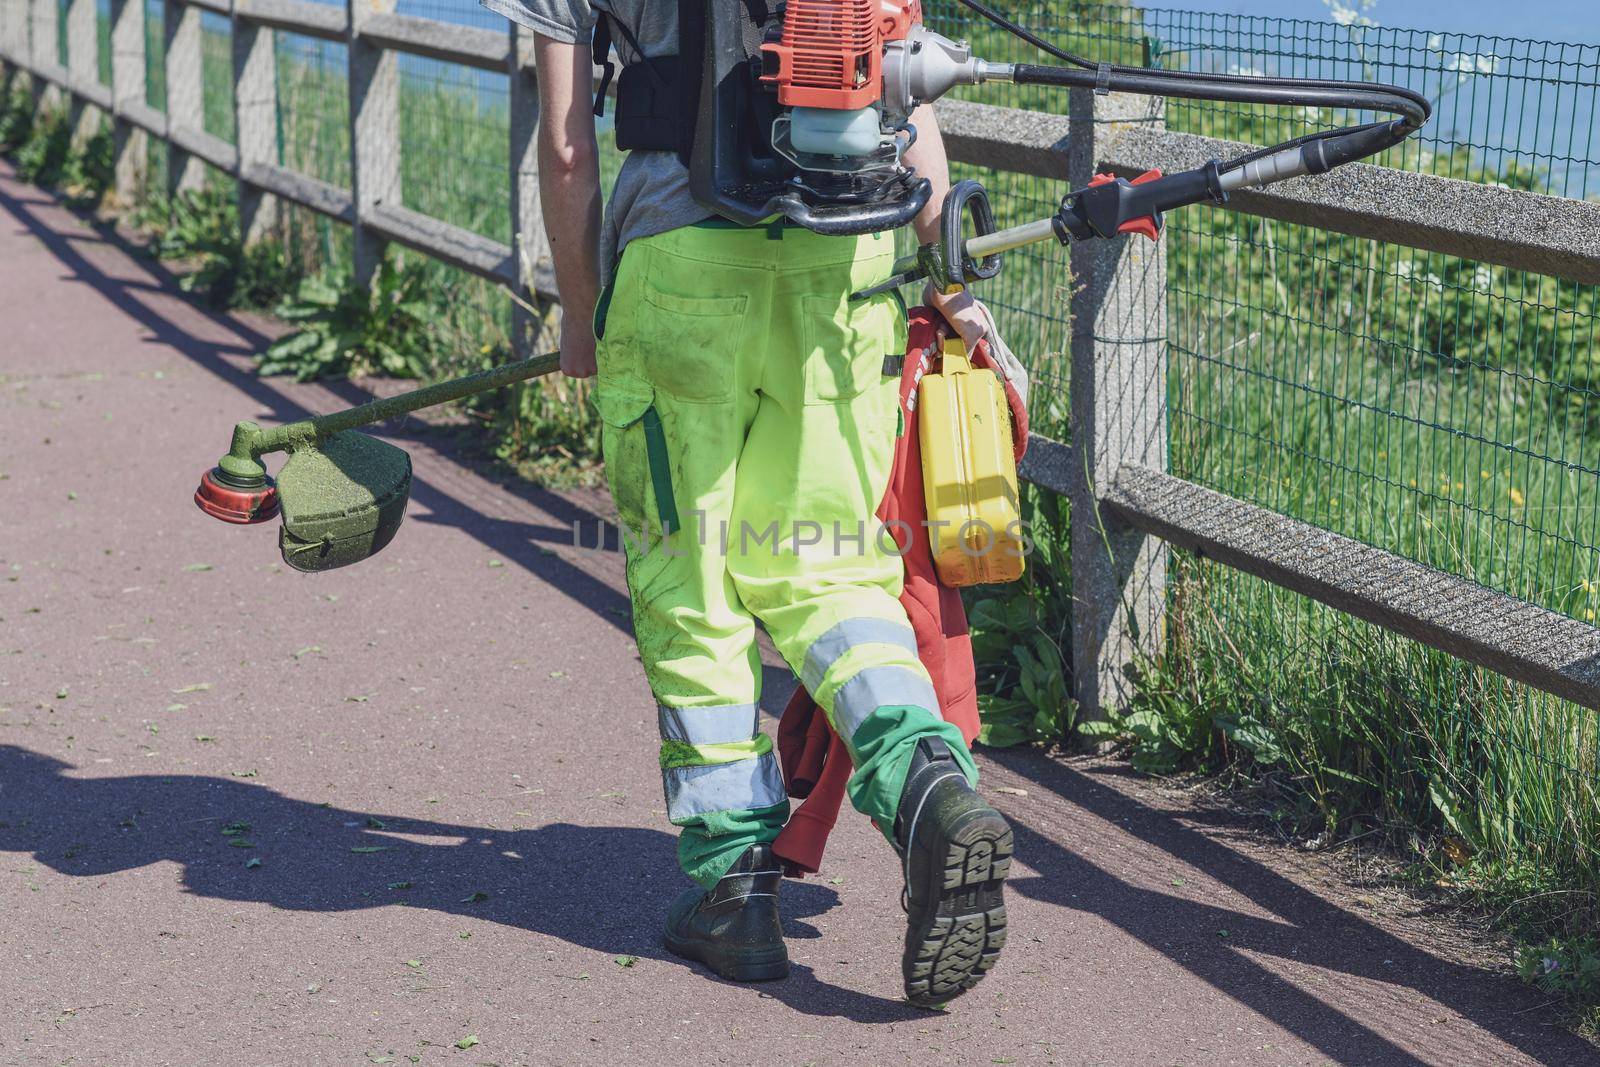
1109,206
849,220
967,197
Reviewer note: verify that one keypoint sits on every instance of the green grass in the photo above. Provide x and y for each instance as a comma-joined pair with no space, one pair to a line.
49,152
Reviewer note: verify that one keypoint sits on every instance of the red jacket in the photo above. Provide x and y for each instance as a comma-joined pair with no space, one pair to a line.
815,763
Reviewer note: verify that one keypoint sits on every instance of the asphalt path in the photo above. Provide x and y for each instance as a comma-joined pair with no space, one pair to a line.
409,812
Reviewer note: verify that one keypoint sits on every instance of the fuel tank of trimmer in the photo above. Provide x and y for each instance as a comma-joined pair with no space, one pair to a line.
343,499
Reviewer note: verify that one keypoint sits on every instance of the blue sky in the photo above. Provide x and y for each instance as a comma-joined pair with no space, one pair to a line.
1557,20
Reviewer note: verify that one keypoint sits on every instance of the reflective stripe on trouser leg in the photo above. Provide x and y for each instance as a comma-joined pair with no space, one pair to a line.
707,726
844,635
715,760
880,687
744,778
865,662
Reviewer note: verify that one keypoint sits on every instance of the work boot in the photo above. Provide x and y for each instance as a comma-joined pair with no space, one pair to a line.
734,929
956,853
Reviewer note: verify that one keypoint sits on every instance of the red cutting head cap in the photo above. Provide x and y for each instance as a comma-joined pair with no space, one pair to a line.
241,506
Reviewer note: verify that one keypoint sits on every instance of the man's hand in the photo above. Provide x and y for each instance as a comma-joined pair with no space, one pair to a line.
960,310
577,350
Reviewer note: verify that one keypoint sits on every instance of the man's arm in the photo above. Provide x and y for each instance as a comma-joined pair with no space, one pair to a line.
569,192
928,158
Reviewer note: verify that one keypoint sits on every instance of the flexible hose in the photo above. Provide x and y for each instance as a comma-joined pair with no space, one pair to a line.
1349,143
1412,108
1418,112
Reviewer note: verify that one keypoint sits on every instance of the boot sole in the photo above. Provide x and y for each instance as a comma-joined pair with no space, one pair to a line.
735,970
952,943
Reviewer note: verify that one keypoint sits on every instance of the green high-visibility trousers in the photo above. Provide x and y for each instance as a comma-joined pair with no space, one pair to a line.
749,428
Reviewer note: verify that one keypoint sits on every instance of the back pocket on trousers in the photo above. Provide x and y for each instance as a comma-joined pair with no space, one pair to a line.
845,344
688,345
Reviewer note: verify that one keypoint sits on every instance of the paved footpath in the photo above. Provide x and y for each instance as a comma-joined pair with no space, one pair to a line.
444,760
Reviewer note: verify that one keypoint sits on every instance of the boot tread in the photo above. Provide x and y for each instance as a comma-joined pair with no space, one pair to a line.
963,929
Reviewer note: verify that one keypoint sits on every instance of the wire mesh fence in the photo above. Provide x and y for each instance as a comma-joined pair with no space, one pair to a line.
454,12
313,120
155,54
1434,406
216,75
455,145
102,36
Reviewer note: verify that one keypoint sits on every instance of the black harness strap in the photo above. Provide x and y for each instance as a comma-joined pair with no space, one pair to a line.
601,56
659,97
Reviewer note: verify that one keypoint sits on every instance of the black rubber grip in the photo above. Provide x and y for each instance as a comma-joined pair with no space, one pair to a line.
848,220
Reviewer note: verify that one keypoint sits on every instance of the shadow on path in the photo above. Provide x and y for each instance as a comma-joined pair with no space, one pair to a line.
1307,929
95,826
317,857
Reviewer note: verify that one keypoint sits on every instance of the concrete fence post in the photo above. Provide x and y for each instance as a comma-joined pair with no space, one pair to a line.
255,109
185,111
374,134
528,245
13,43
43,50
1119,415
83,61
128,87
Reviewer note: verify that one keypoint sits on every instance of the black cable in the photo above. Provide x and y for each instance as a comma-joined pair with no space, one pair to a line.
1344,145
1018,30
1237,89
1412,107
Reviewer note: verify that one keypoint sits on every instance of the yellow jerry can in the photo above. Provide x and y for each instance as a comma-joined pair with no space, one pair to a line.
969,473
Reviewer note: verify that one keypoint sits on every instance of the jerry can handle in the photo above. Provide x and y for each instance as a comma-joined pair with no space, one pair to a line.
953,356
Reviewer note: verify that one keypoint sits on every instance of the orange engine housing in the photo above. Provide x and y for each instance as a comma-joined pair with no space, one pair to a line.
831,52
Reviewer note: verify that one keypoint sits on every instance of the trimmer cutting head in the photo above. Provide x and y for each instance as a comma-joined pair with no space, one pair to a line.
343,499
250,501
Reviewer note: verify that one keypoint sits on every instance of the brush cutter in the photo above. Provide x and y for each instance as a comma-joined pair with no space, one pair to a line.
341,494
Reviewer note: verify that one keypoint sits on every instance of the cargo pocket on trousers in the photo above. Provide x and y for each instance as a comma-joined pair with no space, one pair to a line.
846,343
634,445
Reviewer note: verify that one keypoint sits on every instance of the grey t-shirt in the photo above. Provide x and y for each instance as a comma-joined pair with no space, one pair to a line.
652,191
